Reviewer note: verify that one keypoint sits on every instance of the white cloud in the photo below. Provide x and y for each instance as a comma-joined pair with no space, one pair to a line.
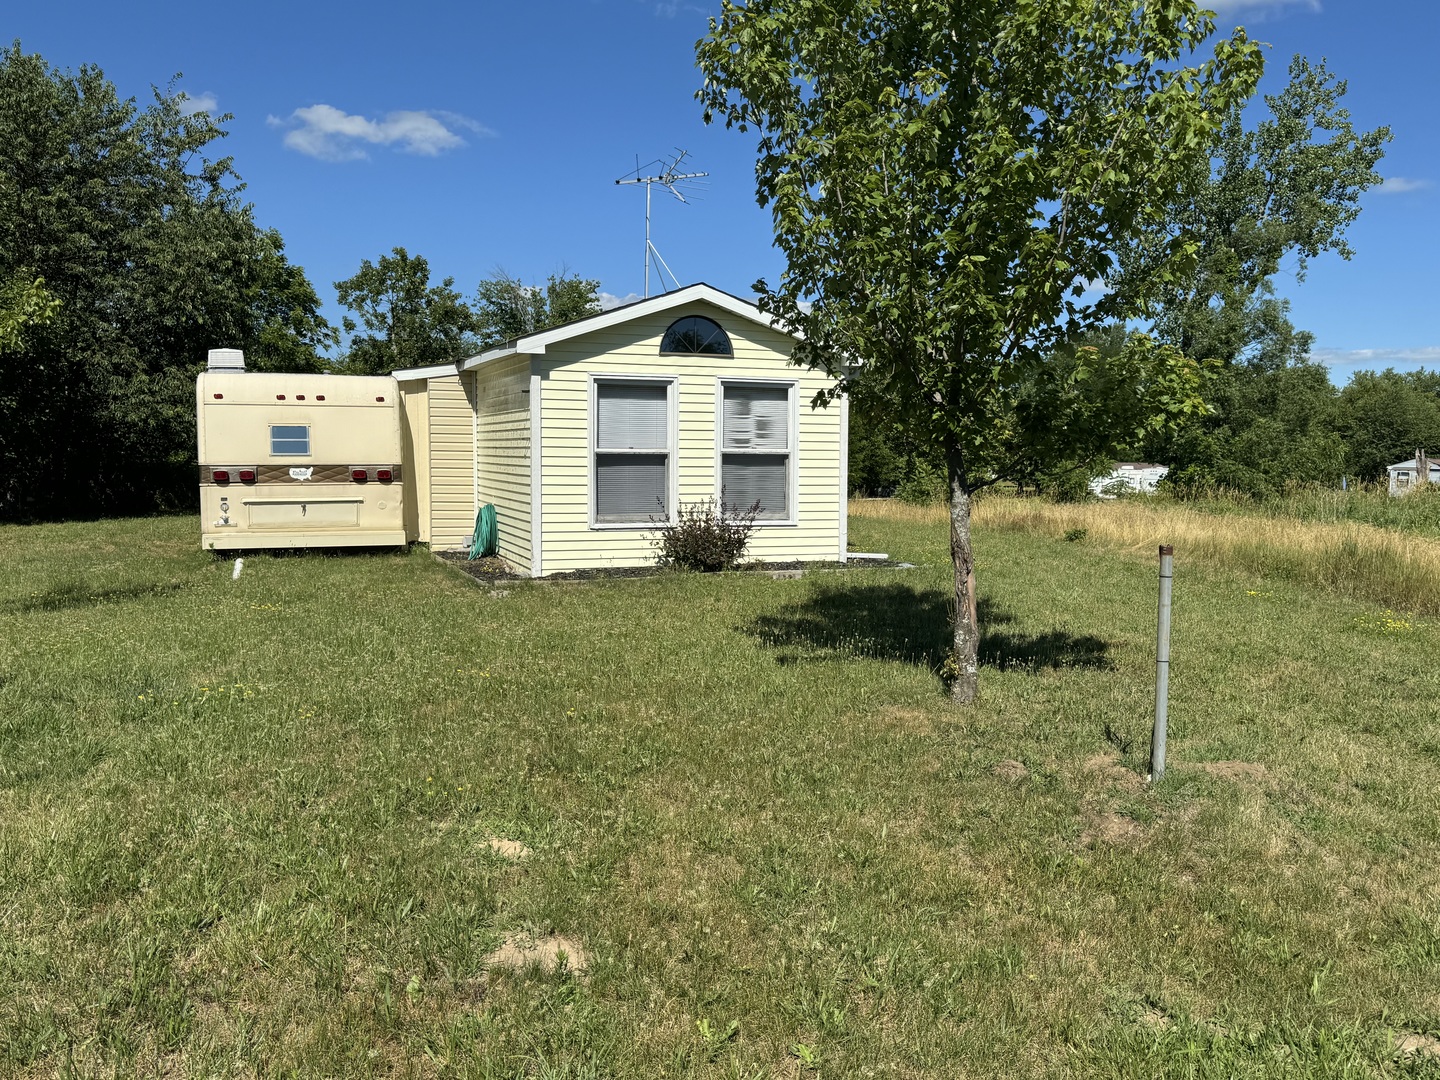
1401,185
1377,358
610,300
668,9
1260,7
197,103
325,132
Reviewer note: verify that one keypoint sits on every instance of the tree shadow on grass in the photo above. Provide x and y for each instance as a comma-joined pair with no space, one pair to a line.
77,594
899,622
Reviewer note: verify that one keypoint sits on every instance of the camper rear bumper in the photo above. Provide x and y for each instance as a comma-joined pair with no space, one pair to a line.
232,540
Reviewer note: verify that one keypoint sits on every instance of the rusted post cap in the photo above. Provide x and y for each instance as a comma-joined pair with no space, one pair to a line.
1166,549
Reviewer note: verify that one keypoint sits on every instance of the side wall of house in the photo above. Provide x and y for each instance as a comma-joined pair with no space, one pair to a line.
415,448
452,460
502,452
569,540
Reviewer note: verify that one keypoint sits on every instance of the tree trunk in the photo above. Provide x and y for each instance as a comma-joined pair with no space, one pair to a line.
964,666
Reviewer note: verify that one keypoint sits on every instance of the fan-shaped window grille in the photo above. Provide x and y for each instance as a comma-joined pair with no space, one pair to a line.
696,335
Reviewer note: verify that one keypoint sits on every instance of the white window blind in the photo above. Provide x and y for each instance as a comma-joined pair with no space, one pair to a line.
632,452
632,416
756,458
757,417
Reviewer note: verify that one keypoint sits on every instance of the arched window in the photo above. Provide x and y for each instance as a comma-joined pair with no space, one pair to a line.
696,335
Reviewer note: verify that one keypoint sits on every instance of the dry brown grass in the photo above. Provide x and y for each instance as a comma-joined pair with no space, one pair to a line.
1395,568
1398,569
894,510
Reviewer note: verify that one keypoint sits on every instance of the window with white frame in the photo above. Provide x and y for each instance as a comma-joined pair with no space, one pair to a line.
631,446
289,439
756,452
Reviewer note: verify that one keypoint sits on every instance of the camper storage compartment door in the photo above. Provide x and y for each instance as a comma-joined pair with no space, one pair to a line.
303,513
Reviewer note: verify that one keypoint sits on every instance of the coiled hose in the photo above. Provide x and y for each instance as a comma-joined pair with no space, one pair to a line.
484,541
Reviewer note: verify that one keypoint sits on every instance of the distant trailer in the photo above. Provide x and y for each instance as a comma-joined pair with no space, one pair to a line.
295,461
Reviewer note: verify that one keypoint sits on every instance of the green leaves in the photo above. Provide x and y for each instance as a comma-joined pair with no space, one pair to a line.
148,257
410,322
507,308
948,183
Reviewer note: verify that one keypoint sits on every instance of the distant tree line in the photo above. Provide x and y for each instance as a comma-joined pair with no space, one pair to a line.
127,252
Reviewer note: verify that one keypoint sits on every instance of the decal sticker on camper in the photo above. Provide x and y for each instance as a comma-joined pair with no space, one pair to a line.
302,474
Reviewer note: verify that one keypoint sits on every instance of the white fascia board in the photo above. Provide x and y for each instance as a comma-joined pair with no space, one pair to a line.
435,371
534,344
499,354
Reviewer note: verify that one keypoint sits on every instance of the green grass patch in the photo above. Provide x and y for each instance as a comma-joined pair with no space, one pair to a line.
249,827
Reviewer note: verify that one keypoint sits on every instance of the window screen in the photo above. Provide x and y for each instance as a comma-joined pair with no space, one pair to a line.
632,452
289,439
756,457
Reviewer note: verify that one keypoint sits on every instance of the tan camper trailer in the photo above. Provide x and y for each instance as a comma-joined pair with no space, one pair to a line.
291,461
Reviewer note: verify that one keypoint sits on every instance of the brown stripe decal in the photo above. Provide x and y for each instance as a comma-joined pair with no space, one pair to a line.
281,474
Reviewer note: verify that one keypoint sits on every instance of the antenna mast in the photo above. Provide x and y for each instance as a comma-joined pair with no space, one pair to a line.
672,179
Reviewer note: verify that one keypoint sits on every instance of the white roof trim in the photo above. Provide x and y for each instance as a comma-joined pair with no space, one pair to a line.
435,371
535,344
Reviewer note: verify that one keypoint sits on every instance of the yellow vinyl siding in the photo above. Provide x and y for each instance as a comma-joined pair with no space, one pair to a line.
416,474
452,460
502,452
633,348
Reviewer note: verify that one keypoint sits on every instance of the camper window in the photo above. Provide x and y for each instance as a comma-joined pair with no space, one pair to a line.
289,439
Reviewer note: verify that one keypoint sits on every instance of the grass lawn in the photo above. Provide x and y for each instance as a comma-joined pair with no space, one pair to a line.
313,822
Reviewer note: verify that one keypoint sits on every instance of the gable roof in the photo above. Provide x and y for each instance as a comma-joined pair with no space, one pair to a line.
535,344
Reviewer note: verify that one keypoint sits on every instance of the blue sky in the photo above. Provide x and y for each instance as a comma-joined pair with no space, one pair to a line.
491,134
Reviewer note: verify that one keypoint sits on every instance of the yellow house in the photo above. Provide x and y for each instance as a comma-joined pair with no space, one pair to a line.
584,436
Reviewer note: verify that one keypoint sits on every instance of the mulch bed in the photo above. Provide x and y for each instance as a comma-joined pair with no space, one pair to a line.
492,570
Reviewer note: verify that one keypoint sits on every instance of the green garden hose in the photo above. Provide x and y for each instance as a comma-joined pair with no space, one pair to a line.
484,541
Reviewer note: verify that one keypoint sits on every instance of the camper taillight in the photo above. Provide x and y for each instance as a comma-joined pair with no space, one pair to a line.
224,476
383,475
359,475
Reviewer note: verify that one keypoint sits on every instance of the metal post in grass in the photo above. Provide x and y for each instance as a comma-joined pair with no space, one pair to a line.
1162,664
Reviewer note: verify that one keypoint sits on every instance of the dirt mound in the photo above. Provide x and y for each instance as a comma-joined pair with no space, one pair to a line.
513,850
1009,769
549,953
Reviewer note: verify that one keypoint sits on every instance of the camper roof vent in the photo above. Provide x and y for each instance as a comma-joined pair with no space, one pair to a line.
227,360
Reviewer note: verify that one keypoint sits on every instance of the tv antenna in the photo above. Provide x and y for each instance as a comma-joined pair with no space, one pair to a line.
673,180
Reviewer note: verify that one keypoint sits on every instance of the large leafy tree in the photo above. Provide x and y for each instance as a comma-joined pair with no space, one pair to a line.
507,308
945,180
1282,191
148,258
1277,193
410,322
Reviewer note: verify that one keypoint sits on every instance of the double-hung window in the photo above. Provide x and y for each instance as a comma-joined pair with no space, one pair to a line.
632,437
757,453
